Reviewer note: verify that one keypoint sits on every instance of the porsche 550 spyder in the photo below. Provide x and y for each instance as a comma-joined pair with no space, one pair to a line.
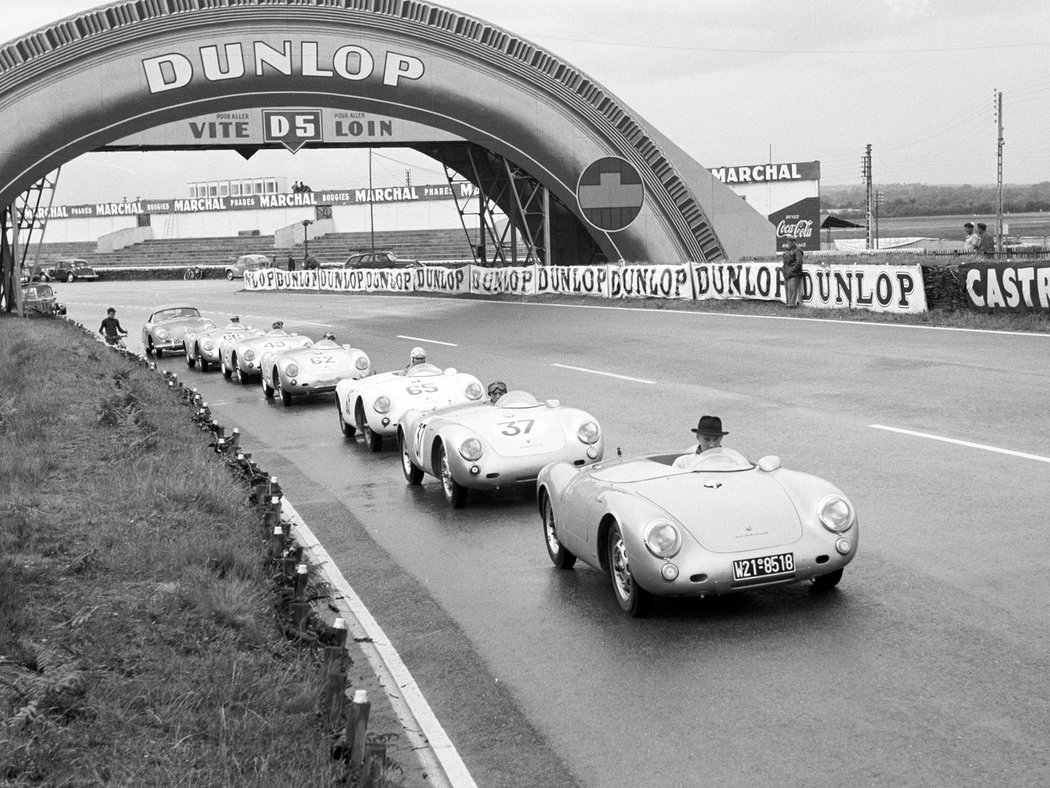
722,526
168,324
240,358
489,446
374,404
315,369
202,348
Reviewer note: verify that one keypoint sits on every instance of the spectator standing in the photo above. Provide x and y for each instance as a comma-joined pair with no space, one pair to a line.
291,263
792,267
970,241
985,244
111,328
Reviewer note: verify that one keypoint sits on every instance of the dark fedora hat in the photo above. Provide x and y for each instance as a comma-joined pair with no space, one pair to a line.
709,425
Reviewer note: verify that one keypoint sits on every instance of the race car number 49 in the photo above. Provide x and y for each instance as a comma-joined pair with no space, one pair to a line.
750,568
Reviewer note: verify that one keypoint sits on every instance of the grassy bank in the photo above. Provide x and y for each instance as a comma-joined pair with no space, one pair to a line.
139,637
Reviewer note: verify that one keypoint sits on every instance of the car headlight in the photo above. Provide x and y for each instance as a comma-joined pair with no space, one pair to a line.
474,391
470,450
836,513
588,432
662,539
208,345
291,370
249,355
362,363
382,404
162,333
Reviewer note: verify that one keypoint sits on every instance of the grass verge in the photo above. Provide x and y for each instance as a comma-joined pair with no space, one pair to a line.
140,632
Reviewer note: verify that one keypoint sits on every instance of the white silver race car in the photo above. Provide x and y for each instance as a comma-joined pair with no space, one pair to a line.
374,404
240,357
202,348
491,446
315,369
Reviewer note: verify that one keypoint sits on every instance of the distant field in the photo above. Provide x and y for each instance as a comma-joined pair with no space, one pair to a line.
1030,226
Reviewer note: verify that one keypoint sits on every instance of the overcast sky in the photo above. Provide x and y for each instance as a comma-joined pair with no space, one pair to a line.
731,82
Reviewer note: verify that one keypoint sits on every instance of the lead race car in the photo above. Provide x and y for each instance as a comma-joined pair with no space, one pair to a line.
374,404
494,445
722,526
313,369
168,324
203,348
240,358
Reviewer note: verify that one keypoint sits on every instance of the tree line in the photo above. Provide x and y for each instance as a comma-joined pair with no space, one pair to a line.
921,199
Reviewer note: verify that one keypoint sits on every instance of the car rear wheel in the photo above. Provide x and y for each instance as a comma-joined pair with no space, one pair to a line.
373,440
830,580
229,275
455,493
630,596
413,474
560,557
348,430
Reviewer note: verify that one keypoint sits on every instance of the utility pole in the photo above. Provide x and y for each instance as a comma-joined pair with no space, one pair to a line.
999,247
865,171
878,205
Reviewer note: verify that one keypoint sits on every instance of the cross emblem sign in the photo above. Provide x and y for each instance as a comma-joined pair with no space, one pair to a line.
610,193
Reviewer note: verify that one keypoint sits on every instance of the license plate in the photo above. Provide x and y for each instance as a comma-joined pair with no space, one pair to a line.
763,566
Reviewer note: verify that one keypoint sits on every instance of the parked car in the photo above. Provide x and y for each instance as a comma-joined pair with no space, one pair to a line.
721,526
314,369
493,446
39,299
247,262
374,404
379,260
203,347
167,325
241,358
71,270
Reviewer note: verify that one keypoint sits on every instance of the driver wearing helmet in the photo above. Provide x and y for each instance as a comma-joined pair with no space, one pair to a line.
418,356
329,336
496,389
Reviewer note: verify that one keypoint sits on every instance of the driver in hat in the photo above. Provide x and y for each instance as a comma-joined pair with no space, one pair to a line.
708,436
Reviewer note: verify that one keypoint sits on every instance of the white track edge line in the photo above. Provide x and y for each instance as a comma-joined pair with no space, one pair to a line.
606,374
428,739
428,341
982,446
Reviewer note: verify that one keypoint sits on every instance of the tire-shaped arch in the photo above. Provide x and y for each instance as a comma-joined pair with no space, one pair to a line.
79,83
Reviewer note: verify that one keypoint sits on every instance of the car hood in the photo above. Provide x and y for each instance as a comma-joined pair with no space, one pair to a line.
515,432
725,512
183,324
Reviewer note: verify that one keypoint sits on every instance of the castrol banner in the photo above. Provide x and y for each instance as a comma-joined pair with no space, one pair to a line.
1007,287
878,288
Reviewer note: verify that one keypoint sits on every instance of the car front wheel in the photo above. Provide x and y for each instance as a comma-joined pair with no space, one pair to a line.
560,557
455,493
828,581
348,430
268,390
630,596
70,278
202,362
372,438
191,360
413,474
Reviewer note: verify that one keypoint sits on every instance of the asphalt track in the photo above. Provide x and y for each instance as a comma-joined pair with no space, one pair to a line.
928,666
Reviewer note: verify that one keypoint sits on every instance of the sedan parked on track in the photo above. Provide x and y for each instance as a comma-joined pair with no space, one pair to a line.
168,324
247,262
379,260
722,526
492,446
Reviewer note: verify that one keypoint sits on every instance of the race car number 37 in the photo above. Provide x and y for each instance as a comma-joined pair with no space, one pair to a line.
749,568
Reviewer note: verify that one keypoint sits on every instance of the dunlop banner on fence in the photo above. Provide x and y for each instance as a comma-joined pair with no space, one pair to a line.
1014,287
879,288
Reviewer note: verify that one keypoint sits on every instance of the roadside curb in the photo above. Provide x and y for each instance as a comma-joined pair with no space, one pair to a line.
423,730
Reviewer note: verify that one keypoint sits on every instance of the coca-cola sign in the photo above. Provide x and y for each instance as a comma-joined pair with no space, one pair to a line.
798,222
